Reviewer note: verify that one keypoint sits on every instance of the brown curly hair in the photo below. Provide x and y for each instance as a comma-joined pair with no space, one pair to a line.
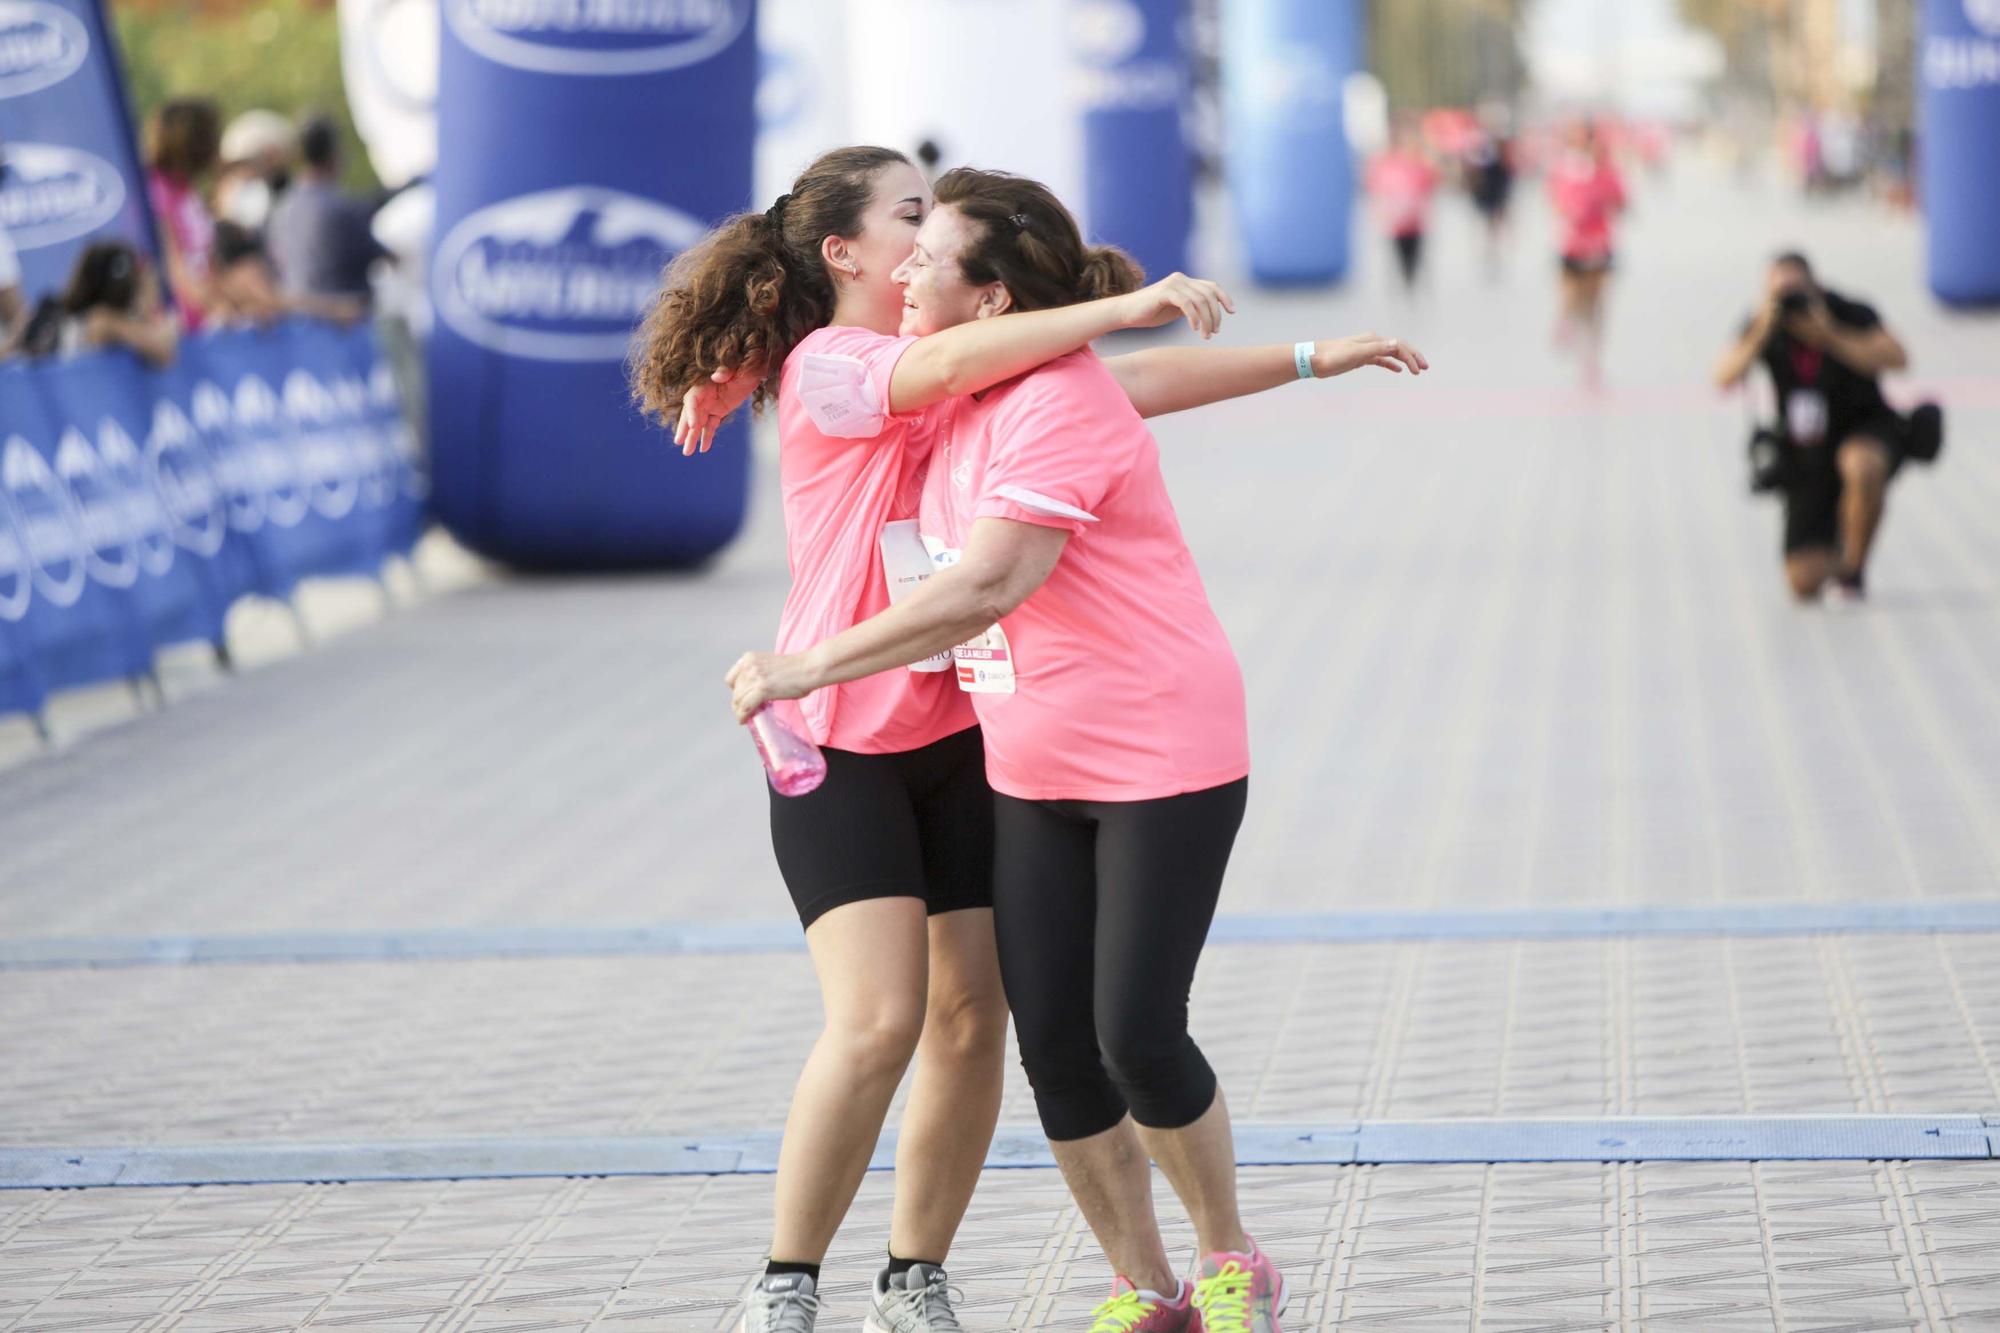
754,286
1028,242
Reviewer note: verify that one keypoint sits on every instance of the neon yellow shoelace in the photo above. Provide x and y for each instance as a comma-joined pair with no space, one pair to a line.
1121,1313
1224,1300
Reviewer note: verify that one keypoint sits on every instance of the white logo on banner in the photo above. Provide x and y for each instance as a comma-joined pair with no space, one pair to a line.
1105,35
367,441
265,455
561,275
1984,15
109,552
146,522
40,45
185,481
326,464
1105,32
17,588
1953,63
214,423
53,194
45,512
592,37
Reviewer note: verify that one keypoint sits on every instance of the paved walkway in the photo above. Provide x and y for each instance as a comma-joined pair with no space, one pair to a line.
1509,647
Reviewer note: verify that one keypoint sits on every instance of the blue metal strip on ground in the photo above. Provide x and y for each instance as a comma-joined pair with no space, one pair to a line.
1612,1139
784,936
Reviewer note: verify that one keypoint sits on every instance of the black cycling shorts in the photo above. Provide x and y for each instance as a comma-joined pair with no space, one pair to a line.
1812,492
913,825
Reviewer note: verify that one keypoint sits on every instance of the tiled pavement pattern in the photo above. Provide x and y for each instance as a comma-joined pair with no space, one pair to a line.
1802,1246
1868,1025
1505,646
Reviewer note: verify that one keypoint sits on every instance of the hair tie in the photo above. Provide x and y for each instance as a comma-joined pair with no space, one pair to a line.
1020,221
775,214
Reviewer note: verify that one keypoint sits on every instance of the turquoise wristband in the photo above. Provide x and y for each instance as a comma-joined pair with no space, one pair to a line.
1302,357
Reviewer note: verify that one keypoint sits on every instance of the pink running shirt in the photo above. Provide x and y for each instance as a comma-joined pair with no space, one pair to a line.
1126,688
180,210
1402,184
1587,194
838,492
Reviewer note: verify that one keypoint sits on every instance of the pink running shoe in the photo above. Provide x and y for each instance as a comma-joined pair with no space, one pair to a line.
1239,1293
1131,1310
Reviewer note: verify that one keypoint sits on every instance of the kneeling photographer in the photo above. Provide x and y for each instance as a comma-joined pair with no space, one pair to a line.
1837,442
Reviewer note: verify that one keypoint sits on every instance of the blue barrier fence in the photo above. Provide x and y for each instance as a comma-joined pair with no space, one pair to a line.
137,505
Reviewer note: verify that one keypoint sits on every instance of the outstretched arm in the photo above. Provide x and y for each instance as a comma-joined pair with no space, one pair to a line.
1160,380
981,352
1004,562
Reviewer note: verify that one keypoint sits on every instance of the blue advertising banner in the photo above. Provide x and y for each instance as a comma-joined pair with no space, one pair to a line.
1133,68
71,173
580,149
137,505
1958,71
1291,175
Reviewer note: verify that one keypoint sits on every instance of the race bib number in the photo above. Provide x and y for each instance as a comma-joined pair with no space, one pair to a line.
1805,415
985,662
905,564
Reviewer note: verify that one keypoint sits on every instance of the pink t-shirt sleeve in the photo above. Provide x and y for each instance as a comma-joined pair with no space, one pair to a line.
1614,188
840,360
1059,447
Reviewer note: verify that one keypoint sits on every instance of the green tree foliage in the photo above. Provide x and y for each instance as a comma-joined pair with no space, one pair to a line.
283,55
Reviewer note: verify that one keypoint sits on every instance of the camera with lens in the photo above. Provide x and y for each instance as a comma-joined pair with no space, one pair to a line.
1794,301
1770,459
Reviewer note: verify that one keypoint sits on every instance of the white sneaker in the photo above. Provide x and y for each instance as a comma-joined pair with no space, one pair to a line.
916,1301
780,1303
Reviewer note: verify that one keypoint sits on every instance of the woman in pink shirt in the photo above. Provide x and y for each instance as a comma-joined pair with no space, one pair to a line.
1113,715
1402,180
182,146
1587,194
889,863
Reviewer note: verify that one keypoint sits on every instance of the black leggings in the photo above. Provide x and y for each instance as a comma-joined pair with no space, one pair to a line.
1409,255
1102,908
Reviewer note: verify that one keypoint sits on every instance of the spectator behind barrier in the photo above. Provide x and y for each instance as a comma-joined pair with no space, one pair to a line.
248,284
112,299
183,143
257,151
1837,442
319,237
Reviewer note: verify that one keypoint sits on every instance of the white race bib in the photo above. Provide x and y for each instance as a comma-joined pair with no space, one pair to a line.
905,564
1805,415
985,662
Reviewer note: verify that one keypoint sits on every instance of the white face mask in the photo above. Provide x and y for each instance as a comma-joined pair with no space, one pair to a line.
250,204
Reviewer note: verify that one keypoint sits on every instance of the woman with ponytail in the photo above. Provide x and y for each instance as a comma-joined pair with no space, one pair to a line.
1114,727
890,861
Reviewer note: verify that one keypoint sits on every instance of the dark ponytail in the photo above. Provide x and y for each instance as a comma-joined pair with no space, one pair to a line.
754,287
1028,242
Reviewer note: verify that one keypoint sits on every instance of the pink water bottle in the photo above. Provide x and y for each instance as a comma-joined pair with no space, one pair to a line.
791,761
